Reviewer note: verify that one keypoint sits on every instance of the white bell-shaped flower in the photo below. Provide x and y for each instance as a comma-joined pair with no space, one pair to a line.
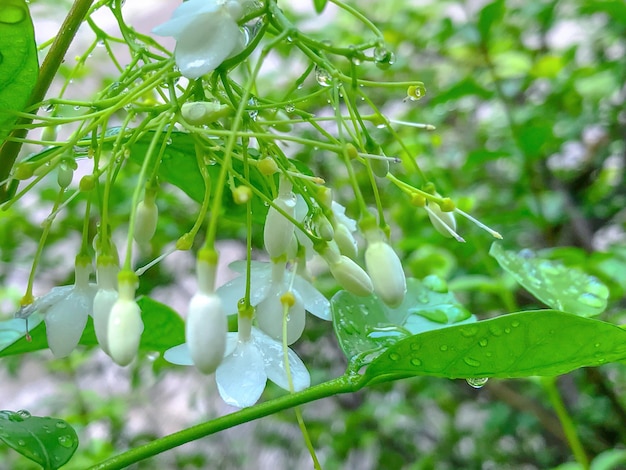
279,231
206,33
106,295
270,312
347,273
125,324
146,218
66,309
385,269
206,325
444,222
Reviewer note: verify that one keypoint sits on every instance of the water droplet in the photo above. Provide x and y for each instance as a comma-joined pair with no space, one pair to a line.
477,382
11,14
515,324
23,414
443,347
415,346
507,330
253,113
61,425
290,108
21,442
383,57
469,331
66,441
597,345
598,289
483,342
470,361
416,362
394,356
591,300
436,283
526,254
323,77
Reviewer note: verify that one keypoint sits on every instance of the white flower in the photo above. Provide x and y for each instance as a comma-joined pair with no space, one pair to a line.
106,275
385,270
344,228
206,33
65,312
268,282
347,273
247,364
278,231
125,324
146,218
206,325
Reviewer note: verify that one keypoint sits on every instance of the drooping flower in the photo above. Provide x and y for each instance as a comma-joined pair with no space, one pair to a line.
268,282
248,363
206,33
278,231
125,324
106,295
206,325
65,311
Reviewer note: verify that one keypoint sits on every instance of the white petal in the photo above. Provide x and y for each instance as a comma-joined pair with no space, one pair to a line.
340,214
273,358
201,48
43,303
184,16
179,355
233,291
314,301
232,339
66,320
241,376
205,331
270,316
102,305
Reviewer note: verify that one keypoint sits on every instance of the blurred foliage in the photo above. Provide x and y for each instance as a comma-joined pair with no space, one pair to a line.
528,102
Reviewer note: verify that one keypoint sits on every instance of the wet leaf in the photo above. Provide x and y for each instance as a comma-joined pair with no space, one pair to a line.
558,286
50,442
18,61
365,326
539,342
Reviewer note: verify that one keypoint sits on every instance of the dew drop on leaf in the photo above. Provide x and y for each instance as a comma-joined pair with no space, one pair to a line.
23,414
416,362
394,356
469,331
483,342
470,361
323,77
66,441
591,300
61,425
443,347
477,383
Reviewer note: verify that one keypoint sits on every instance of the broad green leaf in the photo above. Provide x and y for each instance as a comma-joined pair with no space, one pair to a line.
538,342
558,286
163,329
490,14
50,442
12,330
365,326
18,61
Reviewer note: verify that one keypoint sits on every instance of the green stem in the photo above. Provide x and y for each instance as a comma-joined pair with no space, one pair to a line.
10,149
549,385
341,384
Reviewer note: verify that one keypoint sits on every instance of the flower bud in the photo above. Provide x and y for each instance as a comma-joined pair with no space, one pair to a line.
65,173
278,230
351,276
146,219
385,270
202,112
205,331
106,295
345,241
125,324
441,219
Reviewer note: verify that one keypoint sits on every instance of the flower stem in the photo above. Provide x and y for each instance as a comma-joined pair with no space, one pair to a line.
10,149
343,384
549,385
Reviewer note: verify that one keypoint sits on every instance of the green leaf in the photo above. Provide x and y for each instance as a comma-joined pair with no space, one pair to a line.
559,287
50,442
365,326
539,342
319,5
12,330
491,13
18,61
163,329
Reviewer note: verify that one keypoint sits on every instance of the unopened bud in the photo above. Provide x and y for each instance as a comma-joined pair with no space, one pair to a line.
279,230
267,166
87,183
351,276
24,170
345,241
125,323
385,270
242,194
202,113
64,175
205,331
145,220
